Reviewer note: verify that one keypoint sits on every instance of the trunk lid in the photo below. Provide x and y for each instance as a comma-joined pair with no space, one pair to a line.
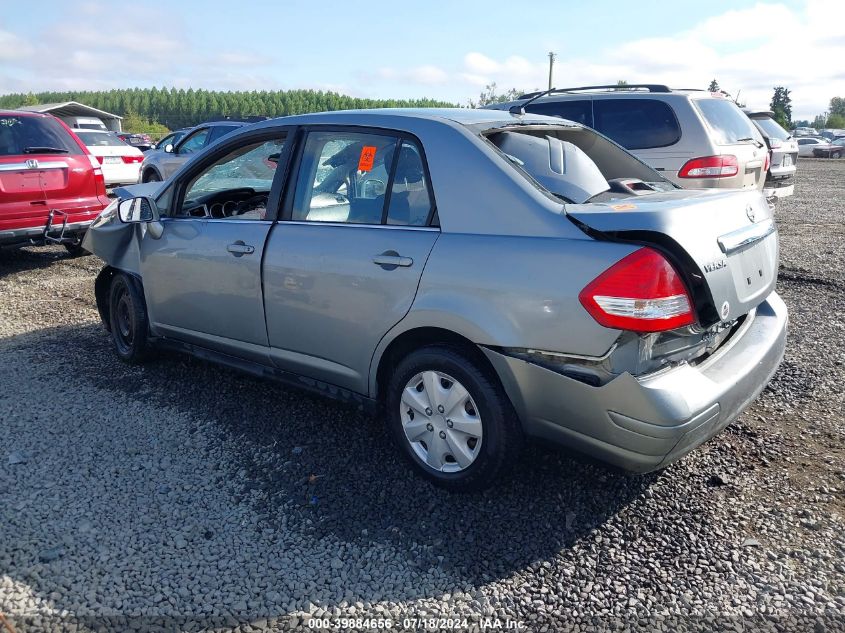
724,243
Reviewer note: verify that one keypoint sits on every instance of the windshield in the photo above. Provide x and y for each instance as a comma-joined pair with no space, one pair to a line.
253,167
729,124
94,139
28,134
772,128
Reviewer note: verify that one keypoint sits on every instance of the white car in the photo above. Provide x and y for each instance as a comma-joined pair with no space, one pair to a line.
806,145
121,162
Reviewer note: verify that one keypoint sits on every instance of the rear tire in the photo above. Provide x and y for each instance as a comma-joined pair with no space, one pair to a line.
443,402
836,155
151,176
128,319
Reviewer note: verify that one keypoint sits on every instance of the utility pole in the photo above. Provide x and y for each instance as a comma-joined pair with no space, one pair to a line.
552,57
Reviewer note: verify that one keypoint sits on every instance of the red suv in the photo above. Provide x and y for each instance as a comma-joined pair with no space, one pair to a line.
51,188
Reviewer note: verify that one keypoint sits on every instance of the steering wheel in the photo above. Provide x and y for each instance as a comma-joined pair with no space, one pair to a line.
251,203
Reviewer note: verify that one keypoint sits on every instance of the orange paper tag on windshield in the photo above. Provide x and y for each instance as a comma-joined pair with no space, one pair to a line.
368,157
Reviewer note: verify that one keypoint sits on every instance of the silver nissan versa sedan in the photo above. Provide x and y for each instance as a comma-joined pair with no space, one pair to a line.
479,276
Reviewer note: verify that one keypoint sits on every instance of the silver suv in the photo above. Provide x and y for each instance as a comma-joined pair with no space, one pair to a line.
696,139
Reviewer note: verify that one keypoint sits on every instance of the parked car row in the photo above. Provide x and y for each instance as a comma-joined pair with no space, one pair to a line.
173,150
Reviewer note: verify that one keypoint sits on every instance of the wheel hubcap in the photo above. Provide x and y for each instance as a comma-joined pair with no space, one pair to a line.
441,422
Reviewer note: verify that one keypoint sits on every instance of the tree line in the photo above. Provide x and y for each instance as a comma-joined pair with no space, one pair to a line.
177,108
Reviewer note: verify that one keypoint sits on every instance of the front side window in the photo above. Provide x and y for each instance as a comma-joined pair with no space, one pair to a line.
194,142
236,186
343,177
637,123
728,123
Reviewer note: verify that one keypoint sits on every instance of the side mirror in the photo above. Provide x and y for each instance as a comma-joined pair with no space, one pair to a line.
137,210
169,148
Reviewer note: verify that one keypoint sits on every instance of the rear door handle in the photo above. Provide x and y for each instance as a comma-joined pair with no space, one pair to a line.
239,249
390,260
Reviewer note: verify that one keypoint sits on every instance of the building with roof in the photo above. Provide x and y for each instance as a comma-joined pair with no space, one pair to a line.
74,109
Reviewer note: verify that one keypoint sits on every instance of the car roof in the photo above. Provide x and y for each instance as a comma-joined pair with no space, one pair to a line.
381,116
23,113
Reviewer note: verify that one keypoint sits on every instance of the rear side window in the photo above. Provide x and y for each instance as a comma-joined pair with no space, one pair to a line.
579,111
34,135
728,123
410,202
220,131
344,178
637,123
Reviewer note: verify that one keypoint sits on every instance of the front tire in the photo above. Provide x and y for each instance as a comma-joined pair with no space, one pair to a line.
836,155
128,319
151,176
450,417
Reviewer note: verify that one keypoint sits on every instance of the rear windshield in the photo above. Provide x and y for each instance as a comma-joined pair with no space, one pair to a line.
34,135
728,123
93,139
771,128
636,123
574,164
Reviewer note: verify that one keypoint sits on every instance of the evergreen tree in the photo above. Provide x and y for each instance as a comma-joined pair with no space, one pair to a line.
781,106
714,86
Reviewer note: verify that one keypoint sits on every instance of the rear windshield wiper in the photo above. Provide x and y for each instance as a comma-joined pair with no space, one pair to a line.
45,150
747,139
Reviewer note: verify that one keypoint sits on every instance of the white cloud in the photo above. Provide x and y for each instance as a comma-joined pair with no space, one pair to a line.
749,50
13,47
75,53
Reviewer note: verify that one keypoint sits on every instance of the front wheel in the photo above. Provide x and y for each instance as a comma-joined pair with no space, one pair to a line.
836,155
151,176
128,319
451,418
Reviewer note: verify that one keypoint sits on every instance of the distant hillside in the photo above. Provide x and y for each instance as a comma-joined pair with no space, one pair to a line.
182,108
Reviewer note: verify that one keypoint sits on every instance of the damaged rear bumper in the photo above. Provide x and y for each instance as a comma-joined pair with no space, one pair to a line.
54,233
641,424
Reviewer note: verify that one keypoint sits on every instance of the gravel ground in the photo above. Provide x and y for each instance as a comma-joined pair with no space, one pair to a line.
186,496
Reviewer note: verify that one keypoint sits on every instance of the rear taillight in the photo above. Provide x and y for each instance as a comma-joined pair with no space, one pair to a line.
641,293
132,159
710,167
99,179
768,162
99,160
